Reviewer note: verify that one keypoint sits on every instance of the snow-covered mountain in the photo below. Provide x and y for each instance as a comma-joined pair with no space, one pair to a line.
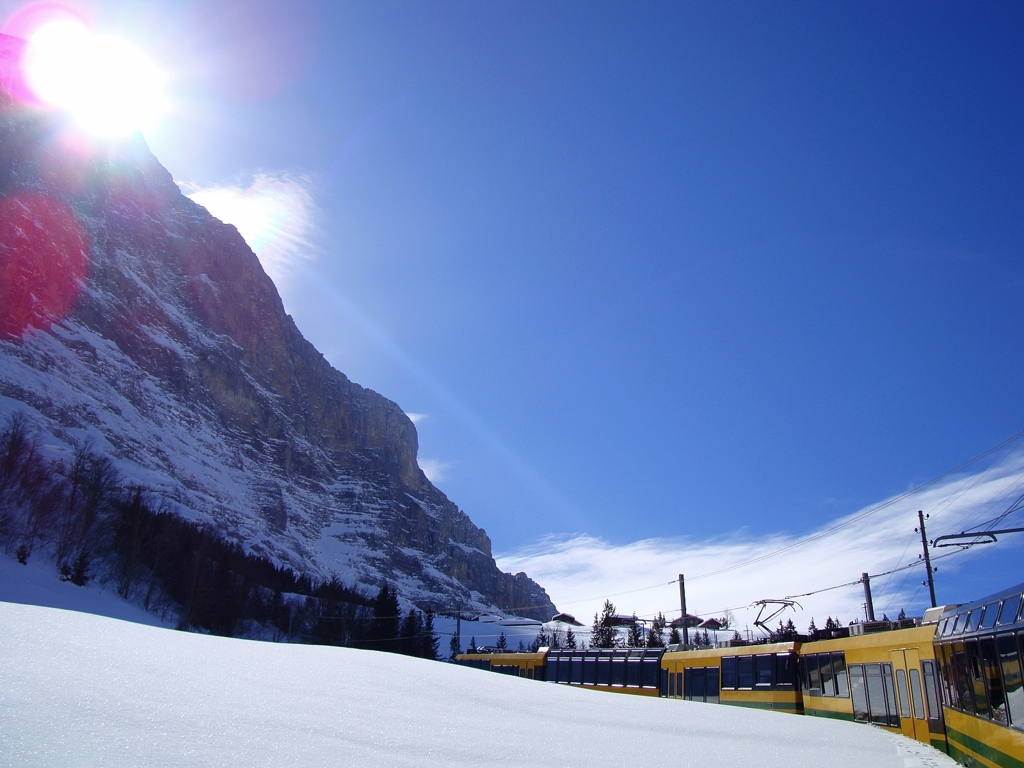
132,318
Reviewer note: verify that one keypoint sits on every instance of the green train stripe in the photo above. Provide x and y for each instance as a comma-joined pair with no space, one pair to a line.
778,706
829,714
989,753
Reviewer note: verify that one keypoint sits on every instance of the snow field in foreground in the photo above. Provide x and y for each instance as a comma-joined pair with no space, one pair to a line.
78,689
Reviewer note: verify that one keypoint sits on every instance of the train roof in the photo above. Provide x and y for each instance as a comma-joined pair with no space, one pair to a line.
998,612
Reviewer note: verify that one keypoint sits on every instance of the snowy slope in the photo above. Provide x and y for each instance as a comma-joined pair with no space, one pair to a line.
77,689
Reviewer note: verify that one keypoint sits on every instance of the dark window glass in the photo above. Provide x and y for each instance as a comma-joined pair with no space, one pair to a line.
975,619
763,670
876,694
993,680
1008,614
679,684
784,663
746,671
1009,660
671,685
634,672
576,675
651,667
812,672
916,697
604,670
989,619
618,671
904,696
961,622
805,682
931,689
697,689
890,697
944,628
711,686
962,678
729,673
839,673
828,684
589,670
977,681
858,691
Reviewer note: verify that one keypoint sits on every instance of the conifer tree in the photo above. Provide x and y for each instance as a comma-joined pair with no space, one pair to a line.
656,635
602,635
502,642
811,628
384,629
674,637
453,648
570,639
635,636
472,645
902,616
428,646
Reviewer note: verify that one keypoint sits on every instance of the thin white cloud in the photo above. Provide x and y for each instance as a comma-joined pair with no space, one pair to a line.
434,469
416,418
275,215
580,571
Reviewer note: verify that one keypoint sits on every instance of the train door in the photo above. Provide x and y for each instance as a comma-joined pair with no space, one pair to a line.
906,664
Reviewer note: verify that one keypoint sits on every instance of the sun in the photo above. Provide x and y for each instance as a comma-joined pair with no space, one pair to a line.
110,87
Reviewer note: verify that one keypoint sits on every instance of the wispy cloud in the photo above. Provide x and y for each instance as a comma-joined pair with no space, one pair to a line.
275,215
434,469
416,418
579,571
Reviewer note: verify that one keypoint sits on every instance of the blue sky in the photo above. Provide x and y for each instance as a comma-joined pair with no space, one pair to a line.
681,271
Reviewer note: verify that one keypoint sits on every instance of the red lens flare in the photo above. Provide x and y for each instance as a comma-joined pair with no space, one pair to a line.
42,262
19,26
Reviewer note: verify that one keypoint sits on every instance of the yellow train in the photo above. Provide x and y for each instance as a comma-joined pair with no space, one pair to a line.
954,682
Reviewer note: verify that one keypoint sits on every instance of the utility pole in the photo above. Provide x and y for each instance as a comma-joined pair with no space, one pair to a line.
458,626
682,605
869,607
927,557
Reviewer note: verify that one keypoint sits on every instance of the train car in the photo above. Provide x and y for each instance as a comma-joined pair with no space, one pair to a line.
888,678
760,676
516,663
618,670
981,647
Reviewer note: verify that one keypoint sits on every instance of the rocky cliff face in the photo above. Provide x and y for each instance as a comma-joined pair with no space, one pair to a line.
131,317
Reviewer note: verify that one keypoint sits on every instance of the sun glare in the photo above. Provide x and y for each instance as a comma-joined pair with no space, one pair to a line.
110,87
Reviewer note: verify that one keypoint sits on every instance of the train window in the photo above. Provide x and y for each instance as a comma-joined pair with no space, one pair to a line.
858,690
961,621
975,621
618,671
634,673
746,672
990,670
944,627
876,694
989,620
931,689
964,691
679,684
915,694
576,670
784,663
828,684
1009,660
697,684
763,671
589,670
651,667
977,681
813,676
711,685
564,669
671,686
890,697
1008,614
901,688
729,681
839,672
